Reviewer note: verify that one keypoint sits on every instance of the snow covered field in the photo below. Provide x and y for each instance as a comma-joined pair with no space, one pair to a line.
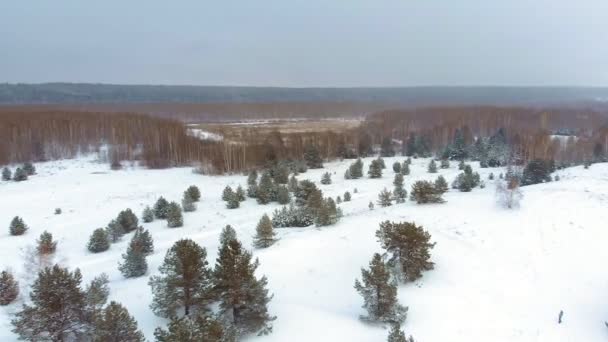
500,275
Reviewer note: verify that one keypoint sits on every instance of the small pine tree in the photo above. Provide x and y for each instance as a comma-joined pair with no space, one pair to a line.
265,189
115,324
347,197
240,194
405,169
232,201
379,293
461,165
142,239
29,168
385,198
134,261
326,179
183,282
9,288
97,292
227,193
194,329
57,211
46,245
127,220
283,196
397,167
375,169
491,176
292,185
188,203
500,176
160,208
397,335
20,175
441,185
115,231
174,215
425,192
147,215
399,193
445,164
432,168
313,157
6,174
338,200
17,227
370,205
228,233
408,246
265,235
194,193
99,241
557,178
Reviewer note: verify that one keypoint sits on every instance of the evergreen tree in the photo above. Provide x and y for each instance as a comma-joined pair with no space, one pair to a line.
381,162
292,185
537,171
227,234
327,213
97,293
265,235
134,260
356,169
441,185
305,189
194,193
127,220
375,169
326,179
114,231
399,193
228,193
160,208
6,174
397,167
408,248
385,198
265,189
174,216
148,215
46,245
425,192
19,175
99,241
461,165
370,205
338,200
252,184
115,324
57,309
280,174
232,201
386,147
188,203
397,335
379,293
17,227
29,168
252,178
445,164
240,193
200,328
243,297
405,169
432,166
347,196
466,180
312,157
283,196
9,288
143,241
491,176
184,281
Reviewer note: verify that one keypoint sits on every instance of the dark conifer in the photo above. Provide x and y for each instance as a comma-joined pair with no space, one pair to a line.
6,174
147,215
312,157
174,215
347,196
385,198
9,288
134,260
425,192
326,179
99,241
115,324
200,328
265,235
46,245
160,208
283,196
19,175
194,193
17,227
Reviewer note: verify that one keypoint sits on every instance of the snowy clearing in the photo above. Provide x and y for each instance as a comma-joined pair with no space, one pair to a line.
500,275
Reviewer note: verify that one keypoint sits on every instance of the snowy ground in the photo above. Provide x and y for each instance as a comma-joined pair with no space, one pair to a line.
501,275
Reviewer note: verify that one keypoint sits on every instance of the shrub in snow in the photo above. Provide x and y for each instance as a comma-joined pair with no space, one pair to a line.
327,213
194,193
147,215
397,167
184,282
114,323
326,179
57,211
292,216
379,293
312,157
20,175
232,201
347,197
408,247
338,199
491,176
97,292
425,192
266,189
174,215
227,193
304,191
9,288
355,170
441,185
46,245
432,168
160,208
445,164
375,169
466,180
397,335
240,193
283,196
370,205
6,174
292,185
134,262
399,193
385,198
127,220
461,165
508,194
195,328
29,168
99,241
537,171
405,169
143,241
265,235
17,226
114,231
188,203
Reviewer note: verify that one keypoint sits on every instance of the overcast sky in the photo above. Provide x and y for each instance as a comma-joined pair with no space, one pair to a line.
306,43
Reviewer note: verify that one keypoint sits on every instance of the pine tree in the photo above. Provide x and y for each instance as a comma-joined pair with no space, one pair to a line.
379,293
292,185
371,205
385,198
375,169
312,157
240,193
386,147
396,335
97,293
326,179
252,184
227,234
57,309
174,216
134,261
347,174
405,169
17,227
188,203
99,241
143,240
184,281
127,220
115,324
408,247
29,168
445,164
347,196
491,176
19,175
381,162
9,288
160,208
232,201
280,174
148,215
6,174
461,165
243,297
425,192
283,196
227,193
356,169
399,193
200,328
432,166
265,189
252,178
305,189
46,245
397,167
327,213
265,235
194,193
441,185
115,231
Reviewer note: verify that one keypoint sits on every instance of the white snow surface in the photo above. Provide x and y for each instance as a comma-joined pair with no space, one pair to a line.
500,275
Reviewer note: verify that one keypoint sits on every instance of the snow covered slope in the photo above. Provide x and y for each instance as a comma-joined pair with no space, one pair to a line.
501,275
